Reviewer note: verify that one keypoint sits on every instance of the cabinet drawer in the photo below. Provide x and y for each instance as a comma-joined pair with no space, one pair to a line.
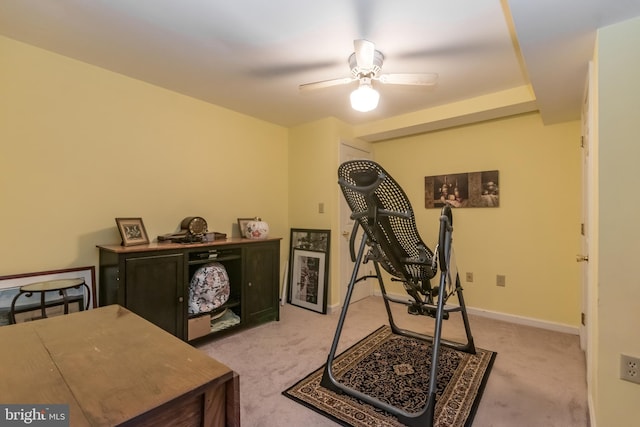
198,327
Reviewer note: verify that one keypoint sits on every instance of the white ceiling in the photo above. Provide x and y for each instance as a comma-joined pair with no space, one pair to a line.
251,55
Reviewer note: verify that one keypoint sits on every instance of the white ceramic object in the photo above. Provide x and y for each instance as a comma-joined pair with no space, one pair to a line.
257,229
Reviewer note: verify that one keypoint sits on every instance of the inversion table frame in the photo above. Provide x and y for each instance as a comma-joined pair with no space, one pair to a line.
384,212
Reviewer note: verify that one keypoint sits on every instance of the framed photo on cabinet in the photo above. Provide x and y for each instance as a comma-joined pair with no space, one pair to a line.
242,226
132,231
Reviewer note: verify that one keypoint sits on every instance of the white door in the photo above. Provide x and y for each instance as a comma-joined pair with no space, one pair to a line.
362,289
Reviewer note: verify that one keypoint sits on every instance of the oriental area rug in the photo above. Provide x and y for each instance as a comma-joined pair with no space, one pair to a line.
395,369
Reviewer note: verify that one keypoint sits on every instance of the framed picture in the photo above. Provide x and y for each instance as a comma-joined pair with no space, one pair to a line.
10,287
462,190
307,240
313,240
132,231
242,226
308,280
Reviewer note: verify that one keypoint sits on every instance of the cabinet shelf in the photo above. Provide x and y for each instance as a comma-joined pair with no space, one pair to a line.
229,304
216,259
207,255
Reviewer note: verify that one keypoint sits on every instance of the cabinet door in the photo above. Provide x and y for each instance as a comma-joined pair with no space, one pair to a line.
260,290
155,290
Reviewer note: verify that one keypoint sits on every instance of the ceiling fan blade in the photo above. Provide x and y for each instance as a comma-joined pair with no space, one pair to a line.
325,83
364,50
419,79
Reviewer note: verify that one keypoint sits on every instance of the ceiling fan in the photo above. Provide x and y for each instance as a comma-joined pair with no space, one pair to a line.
365,63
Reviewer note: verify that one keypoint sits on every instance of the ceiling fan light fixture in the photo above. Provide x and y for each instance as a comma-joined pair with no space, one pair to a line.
365,98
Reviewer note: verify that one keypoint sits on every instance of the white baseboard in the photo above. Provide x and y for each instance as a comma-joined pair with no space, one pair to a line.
527,321
505,317
334,308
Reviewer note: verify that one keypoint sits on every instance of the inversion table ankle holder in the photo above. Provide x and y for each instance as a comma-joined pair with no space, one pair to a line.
391,240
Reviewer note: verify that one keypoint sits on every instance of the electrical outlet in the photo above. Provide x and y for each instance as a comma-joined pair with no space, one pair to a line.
469,277
630,368
320,207
501,280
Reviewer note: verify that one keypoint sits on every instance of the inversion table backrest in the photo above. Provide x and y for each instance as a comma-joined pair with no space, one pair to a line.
383,210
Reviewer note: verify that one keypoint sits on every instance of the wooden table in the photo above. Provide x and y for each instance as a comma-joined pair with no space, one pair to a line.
112,367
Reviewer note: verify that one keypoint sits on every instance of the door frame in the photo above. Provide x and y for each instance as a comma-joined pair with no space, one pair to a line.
590,202
587,227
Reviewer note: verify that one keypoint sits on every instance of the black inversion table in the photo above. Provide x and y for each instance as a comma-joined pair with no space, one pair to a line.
391,241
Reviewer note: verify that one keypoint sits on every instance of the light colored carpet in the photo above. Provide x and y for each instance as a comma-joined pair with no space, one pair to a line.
538,379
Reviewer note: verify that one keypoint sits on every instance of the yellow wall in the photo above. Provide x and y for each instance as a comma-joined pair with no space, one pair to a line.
80,146
619,228
532,238
314,156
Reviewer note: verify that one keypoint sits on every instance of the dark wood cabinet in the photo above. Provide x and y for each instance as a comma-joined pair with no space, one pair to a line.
153,282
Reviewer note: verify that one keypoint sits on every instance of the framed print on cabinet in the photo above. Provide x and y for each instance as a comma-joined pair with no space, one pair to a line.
242,226
132,231
308,280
